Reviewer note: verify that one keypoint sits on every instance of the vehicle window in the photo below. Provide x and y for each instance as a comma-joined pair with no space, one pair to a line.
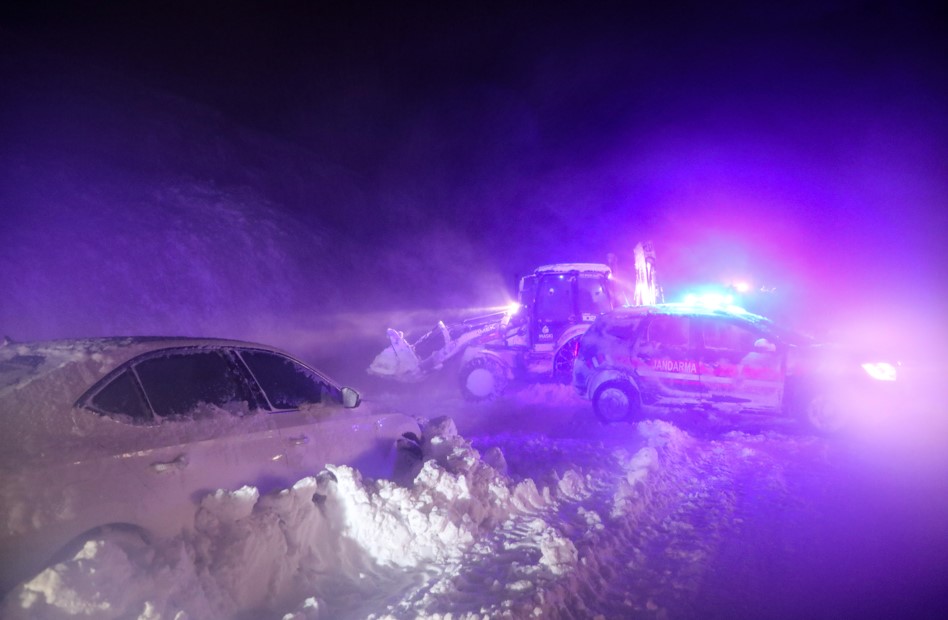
122,397
176,384
554,301
731,345
18,367
593,297
623,330
287,384
727,336
668,331
528,289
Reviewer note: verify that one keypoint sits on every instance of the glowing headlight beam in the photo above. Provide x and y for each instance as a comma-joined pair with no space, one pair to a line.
880,371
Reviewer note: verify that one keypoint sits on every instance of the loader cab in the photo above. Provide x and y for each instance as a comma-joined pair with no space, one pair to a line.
561,298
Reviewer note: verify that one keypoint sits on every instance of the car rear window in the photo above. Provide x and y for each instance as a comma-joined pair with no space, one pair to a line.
122,397
17,368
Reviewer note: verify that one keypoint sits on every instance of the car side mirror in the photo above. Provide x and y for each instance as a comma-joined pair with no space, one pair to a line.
350,398
762,344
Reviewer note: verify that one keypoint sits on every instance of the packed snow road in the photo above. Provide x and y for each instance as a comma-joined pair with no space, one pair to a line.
764,521
527,507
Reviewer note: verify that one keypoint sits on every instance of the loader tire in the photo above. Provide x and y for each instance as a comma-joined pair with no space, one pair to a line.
563,361
482,378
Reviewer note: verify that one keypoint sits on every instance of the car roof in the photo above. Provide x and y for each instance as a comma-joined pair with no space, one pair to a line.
676,309
24,362
40,382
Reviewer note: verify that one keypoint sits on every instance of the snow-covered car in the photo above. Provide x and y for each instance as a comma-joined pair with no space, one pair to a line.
128,434
693,355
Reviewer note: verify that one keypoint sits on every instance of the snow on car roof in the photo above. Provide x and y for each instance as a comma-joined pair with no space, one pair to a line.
24,362
41,381
566,267
691,310
681,309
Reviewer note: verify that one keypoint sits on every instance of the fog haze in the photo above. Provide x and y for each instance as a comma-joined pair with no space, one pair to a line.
177,156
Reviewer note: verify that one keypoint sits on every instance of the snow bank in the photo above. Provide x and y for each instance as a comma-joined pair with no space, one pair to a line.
464,538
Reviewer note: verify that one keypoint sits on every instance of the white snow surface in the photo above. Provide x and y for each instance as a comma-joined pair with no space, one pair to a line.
534,510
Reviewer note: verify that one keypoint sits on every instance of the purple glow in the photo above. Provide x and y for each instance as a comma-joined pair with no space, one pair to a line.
709,299
311,175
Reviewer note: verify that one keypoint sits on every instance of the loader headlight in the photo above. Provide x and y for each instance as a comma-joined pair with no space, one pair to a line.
880,371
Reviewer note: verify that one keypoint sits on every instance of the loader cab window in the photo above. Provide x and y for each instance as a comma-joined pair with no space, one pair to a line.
528,290
594,298
554,298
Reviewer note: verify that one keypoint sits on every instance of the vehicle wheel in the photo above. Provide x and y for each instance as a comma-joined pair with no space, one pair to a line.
482,378
823,414
409,459
132,540
563,361
616,401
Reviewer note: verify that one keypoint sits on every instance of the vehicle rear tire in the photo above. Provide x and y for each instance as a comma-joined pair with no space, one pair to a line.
616,401
823,414
563,361
482,378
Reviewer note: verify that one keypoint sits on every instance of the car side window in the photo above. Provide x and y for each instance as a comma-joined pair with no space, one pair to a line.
666,336
729,345
177,383
286,383
728,338
668,331
619,329
122,397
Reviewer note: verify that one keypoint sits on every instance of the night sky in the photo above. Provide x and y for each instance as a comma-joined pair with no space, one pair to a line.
798,145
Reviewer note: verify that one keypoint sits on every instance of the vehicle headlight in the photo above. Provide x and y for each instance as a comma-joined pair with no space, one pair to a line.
880,371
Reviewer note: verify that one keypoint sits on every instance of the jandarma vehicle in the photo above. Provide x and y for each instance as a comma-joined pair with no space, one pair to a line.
688,355
128,434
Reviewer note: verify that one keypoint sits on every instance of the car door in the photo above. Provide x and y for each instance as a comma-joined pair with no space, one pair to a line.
183,424
668,360
739,365
315,428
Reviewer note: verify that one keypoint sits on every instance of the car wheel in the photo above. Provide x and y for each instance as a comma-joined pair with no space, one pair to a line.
130,538
483,378
616,401
409,459
563,361
824,414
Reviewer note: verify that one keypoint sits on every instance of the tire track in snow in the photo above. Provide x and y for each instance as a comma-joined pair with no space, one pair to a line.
645,530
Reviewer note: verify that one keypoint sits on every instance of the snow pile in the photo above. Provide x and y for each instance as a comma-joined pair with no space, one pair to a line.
465,538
